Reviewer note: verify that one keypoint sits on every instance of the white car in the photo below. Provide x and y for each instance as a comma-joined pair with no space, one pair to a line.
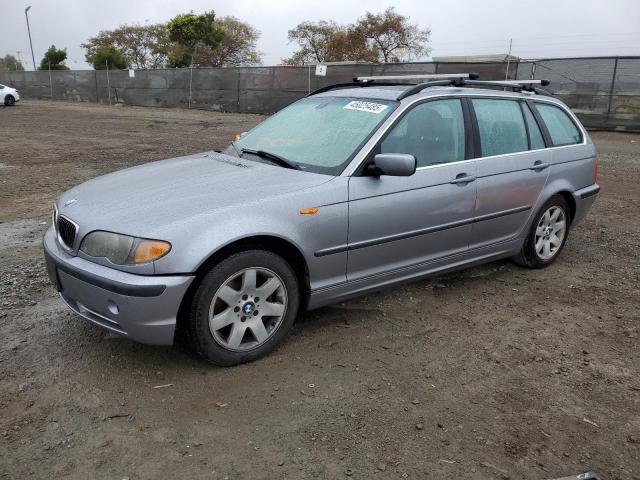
9,96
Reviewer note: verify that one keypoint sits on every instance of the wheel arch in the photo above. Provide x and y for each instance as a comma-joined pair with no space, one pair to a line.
278,245
571,201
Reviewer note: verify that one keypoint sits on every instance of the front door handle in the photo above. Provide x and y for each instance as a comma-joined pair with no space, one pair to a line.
538,166
463,178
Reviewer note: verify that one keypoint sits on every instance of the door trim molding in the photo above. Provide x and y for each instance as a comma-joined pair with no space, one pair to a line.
417,233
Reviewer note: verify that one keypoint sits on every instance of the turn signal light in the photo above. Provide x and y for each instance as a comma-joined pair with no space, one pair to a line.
309,211
149,250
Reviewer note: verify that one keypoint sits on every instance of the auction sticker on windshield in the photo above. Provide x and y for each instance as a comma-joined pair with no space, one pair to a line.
370,107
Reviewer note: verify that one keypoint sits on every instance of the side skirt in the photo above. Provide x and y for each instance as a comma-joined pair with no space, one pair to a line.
355,288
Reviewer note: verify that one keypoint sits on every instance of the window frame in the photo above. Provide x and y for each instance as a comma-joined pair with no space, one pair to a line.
545,131
469,143
476,127
545,139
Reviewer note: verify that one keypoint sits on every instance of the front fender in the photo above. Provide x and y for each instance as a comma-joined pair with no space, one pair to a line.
196,239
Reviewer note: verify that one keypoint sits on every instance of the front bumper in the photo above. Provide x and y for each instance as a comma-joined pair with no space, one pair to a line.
141,307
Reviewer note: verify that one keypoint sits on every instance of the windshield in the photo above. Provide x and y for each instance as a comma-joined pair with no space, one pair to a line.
318,134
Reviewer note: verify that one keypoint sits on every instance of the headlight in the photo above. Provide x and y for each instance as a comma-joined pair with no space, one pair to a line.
123,249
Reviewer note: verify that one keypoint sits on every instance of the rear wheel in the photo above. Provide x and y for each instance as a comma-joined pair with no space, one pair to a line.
548,234
9,101
243,307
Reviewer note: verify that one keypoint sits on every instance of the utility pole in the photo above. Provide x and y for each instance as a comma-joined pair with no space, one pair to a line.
190,79
506,75
50,83
33,58
106,62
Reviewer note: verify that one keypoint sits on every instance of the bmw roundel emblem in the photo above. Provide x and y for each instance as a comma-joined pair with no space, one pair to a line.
248,308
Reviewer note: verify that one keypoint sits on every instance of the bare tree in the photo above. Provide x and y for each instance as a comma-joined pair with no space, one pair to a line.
383,37
327,42
393,37
313,40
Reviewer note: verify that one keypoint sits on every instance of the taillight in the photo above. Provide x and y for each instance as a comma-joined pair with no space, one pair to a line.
595,169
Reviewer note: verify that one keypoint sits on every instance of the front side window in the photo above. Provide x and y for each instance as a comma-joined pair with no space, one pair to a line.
319,134
501,126
433,132
561,128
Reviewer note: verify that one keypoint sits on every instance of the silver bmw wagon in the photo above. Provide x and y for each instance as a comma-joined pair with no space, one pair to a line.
356,187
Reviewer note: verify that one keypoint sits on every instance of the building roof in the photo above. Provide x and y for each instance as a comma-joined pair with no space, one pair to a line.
500,57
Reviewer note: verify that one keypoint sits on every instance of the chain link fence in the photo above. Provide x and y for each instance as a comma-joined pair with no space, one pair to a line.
603,91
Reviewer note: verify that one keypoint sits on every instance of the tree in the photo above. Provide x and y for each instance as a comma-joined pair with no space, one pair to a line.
104,56
237,47
393,37
313,40
201,39
141,46
54,59
327,42
383,37
9,62
189,32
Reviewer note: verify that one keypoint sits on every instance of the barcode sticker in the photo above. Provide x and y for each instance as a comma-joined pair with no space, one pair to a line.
366,106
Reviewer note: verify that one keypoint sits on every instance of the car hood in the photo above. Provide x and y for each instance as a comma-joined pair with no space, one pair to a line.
139,200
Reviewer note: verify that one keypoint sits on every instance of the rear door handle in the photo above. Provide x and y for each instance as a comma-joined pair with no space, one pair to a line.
538,166
463,178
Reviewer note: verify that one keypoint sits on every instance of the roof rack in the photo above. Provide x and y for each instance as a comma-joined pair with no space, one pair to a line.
430,76
437,80
515,85
391,80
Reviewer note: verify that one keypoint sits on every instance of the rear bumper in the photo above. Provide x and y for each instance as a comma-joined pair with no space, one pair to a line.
584,199
143,308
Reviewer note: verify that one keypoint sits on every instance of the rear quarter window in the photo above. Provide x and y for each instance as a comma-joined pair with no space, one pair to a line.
562,129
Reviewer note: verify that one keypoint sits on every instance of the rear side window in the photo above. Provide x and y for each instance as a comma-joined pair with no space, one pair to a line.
535,136
561,128
433,132
501,126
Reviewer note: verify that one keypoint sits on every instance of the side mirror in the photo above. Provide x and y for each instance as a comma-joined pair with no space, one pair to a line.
393,164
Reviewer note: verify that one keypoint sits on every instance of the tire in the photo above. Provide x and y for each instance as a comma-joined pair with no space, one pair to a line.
229,321
9,101
540,249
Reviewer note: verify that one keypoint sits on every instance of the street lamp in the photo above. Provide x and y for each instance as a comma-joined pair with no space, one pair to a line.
26,14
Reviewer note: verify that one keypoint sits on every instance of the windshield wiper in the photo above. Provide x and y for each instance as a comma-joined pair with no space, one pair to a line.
277,159
238,152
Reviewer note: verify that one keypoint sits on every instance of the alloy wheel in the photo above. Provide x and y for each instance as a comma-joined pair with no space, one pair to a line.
550,233
247,309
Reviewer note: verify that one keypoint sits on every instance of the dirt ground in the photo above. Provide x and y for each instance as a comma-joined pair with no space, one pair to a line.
493,372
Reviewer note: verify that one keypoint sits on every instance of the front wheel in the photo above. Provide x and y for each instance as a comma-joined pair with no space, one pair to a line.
548,234
9,101
243,307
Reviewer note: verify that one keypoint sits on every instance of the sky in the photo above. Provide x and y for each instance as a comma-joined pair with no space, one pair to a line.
539,29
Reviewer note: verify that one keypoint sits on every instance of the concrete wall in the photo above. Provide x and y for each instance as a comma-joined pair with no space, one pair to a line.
604,92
